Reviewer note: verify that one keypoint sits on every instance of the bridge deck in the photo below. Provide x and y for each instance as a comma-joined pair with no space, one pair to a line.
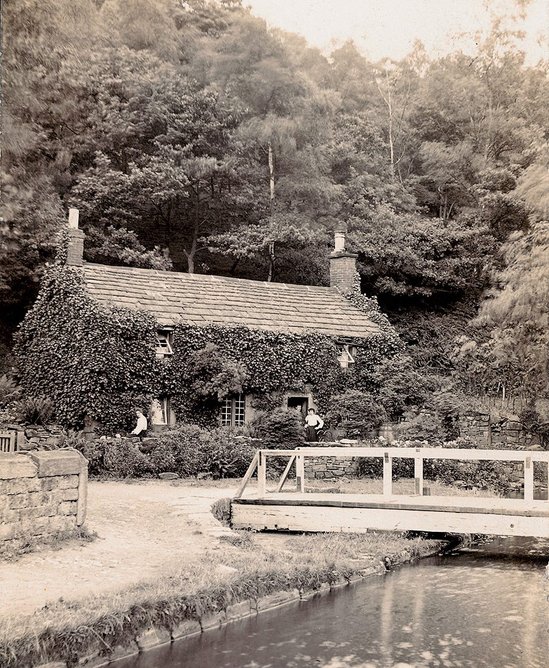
296,511
314,511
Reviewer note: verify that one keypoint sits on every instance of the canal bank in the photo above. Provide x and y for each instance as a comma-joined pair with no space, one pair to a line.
157,618
193,591
483,606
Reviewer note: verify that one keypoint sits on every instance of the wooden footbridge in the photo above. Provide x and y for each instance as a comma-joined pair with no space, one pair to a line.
275,509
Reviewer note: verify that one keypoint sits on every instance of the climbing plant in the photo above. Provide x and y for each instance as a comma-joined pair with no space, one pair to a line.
100,363
89,360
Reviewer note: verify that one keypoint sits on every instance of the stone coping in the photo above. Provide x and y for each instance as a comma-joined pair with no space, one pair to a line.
41,464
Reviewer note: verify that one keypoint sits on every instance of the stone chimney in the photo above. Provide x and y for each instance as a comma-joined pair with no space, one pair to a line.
75,248
343,273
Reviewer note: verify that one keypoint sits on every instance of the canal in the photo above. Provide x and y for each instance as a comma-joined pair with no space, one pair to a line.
482,606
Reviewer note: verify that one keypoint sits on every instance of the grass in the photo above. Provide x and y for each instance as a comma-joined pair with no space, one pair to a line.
264,565
54,542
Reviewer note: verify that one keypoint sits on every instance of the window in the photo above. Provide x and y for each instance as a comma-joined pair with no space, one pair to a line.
233,411
347,355
164,339
160,411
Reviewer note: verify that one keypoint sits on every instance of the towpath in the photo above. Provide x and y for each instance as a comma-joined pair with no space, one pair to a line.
145,529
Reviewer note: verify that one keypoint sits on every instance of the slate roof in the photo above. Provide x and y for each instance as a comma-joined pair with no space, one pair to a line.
200,299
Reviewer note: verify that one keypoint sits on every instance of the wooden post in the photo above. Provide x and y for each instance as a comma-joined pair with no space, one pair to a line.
418,473
285,474
528,479
249,473
300,473
387,474
261,473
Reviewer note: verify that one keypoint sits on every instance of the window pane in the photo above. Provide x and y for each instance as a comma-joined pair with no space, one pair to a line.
239,410
226,413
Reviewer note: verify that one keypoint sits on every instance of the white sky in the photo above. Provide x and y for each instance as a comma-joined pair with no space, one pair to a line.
388,28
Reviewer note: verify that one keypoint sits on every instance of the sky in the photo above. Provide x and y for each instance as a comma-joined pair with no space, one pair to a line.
388,28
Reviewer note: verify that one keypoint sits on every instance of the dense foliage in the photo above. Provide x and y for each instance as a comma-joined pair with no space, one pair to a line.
92,362
186,451
193,135
97,363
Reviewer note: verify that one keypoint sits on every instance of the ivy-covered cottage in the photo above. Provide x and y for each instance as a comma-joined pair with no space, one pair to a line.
102,340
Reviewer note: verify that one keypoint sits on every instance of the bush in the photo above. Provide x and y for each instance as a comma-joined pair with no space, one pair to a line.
187,451
9,390
279,429
34,410
123,458
359,413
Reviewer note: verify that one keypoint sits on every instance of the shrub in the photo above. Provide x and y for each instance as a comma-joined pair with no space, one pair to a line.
226,454
280,428
34,410
187,451
423,426
9,390
93,451
357,412
181,449
124,459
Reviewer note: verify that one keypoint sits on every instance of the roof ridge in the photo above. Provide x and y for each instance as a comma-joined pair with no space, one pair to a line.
195,276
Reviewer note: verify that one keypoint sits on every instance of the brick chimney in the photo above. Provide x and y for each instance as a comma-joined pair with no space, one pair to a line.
75,248
343,273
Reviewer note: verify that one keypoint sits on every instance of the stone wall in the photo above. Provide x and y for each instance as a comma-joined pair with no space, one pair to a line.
503,434
36,437
330,468
41,494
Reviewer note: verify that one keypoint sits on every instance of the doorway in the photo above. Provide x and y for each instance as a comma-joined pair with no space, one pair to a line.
300,404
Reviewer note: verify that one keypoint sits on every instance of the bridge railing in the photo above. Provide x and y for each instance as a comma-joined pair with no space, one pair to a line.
298,456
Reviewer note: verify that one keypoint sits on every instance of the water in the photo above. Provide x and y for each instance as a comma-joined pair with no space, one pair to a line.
486,606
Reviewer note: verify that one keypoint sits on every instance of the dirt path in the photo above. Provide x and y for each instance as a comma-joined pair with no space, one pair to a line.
144,529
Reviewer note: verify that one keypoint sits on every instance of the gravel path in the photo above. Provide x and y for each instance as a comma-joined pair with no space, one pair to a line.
144,529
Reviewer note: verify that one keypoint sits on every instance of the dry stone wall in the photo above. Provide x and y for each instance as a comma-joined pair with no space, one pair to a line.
504,434
41,494
330,468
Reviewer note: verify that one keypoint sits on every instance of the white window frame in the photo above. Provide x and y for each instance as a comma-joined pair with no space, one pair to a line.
347,355
233,411
164,338
165,409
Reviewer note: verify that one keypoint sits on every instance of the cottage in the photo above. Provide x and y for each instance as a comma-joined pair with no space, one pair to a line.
177,300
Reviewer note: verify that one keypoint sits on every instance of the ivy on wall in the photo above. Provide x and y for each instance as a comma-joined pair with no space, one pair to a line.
90,360
100,363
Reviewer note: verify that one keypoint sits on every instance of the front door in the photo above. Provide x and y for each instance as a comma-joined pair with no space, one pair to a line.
300,404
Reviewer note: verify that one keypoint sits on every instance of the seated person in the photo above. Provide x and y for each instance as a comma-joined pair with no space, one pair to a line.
141,426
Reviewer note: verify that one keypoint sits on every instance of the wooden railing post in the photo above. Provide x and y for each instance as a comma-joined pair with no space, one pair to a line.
300,472
261,473
249,473
387,474
418,473
528,479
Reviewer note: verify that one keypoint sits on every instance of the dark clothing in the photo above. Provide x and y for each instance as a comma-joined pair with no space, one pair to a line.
311,435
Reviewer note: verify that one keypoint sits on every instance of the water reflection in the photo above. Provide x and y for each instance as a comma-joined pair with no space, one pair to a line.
484,607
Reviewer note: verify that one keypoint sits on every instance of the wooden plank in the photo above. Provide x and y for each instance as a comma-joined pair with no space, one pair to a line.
528,479
261,473
300,473
411,453
494,506
418,474
249,473
387,474
308,518
285,474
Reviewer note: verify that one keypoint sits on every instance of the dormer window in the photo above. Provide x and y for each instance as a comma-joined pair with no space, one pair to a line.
164,338
347,355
